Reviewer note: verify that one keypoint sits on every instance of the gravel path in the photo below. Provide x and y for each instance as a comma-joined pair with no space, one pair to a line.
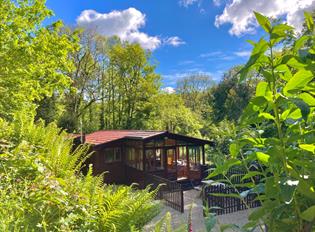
193,202
238,218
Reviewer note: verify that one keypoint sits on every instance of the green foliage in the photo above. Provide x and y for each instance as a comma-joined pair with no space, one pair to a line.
194,89
222,133
41,185
285,158
33,59
169,113
42,188
113,82
229,97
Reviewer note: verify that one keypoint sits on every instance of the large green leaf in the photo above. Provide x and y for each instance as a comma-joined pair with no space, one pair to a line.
279,32
225,167
299,80
308,147
300,42
234,149
309,21
251,174
261,88
295,62
263,157
285,71
266,116
308,99
305,109
263,22
306,189
309,214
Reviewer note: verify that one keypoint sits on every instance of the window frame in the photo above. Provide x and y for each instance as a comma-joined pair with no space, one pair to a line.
114,155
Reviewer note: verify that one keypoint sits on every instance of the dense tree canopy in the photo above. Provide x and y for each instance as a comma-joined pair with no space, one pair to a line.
230,97
34,60
112,82
170,113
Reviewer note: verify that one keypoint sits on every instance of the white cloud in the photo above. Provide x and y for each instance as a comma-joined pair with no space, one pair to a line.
174,41
240,13
211,54
186,62
218,55
168,89
242,53
171,79
125,24
187,3
217,2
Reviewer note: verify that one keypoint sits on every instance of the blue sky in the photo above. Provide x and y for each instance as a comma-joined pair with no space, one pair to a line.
185,36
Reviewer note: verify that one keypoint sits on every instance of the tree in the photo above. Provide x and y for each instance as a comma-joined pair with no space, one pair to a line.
230,97
170,113
112,83
134,84
193,89
33,59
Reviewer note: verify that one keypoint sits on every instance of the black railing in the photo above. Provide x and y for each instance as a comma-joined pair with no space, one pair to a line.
169,191
222,197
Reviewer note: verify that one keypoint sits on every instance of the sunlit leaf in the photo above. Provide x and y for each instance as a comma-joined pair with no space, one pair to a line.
309,20
308,147
263,22
266,116
299,80
261,88
263,157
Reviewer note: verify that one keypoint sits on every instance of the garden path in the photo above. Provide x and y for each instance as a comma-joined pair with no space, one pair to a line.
193,202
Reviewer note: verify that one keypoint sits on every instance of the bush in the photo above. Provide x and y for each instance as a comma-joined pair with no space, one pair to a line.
42,187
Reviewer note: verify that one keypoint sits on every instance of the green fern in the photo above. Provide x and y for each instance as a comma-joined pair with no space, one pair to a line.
42,188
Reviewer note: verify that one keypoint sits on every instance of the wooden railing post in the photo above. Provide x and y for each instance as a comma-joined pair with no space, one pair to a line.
182,200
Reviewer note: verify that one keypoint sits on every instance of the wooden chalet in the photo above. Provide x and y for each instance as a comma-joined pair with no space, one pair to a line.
128,155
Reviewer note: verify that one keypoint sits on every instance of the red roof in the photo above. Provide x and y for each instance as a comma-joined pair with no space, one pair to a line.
105,136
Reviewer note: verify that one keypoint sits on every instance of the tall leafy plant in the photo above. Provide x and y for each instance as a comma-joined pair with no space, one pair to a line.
285,98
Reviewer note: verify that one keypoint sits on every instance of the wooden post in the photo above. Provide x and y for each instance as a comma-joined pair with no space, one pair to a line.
143,156
203,155
164,150
182,200
187,159
176,158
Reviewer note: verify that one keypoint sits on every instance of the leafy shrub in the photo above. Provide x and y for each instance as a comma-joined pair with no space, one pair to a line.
284,99
42,188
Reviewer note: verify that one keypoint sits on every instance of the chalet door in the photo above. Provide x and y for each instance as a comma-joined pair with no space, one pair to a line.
171,162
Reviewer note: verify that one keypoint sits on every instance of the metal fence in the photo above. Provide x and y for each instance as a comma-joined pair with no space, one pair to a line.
222,198
169,191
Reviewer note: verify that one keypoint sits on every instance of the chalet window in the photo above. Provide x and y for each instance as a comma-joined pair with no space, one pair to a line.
194,158
182,159
159,159
150,159
134,158
112,155
154,159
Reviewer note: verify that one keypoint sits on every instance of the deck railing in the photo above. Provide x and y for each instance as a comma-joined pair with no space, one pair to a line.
216,196
169,191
